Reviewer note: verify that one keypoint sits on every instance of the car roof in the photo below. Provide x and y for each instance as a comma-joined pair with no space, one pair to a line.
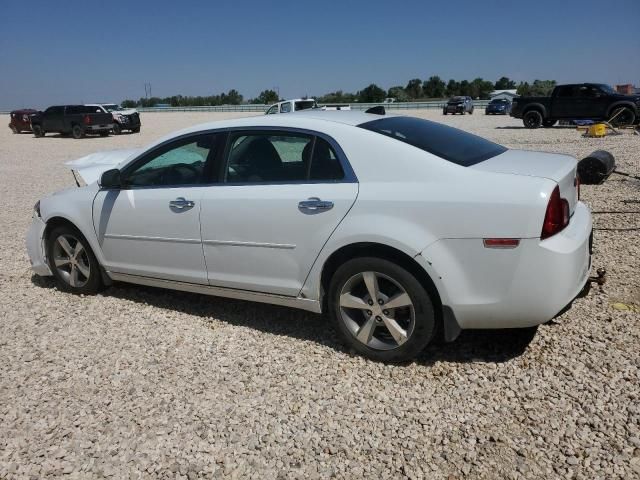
305,119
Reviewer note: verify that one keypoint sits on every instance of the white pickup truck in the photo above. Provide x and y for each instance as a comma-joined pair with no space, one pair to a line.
123,118
294,105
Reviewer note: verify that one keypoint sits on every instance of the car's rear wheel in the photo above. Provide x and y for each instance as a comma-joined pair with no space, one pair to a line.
381,310
72,261
444,112
624,118
532,119
14,129
116,129
37,131
135,130
77,132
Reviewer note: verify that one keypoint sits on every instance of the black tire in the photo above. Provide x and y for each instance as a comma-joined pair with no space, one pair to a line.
549,123
86,285
471,112
135,130
626,117
444,112
417,320
77,132
37,131
14,129
116,129
532,119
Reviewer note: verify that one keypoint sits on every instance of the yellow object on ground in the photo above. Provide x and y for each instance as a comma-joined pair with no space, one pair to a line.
597,130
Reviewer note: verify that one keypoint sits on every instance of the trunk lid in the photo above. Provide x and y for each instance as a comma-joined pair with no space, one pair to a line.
92,166
553,166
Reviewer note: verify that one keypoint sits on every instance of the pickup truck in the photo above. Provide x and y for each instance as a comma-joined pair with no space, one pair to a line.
294,105
583,101
78,120
123,118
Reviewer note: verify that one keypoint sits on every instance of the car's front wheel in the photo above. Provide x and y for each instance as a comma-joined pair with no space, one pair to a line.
381,310
116,129
38,131
72,261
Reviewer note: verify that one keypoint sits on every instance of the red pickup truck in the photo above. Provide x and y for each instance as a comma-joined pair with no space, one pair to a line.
21,120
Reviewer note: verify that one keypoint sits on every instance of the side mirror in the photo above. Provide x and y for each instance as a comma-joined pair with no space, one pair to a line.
110,179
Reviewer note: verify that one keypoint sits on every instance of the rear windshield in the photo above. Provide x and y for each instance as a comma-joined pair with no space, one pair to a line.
449,143
305,104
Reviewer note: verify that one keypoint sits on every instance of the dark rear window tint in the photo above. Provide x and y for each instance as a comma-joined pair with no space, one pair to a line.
449,143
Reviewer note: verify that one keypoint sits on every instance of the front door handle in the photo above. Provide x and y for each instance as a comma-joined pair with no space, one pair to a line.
181,203
314,205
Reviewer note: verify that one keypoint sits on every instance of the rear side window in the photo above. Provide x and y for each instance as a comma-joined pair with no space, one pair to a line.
325,164
448,143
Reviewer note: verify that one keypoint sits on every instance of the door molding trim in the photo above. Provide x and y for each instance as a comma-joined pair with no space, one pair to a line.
152,239
232,243
293,302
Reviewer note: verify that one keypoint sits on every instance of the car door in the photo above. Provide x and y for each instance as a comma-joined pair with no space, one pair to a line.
52,119
282,195
151,226
564,104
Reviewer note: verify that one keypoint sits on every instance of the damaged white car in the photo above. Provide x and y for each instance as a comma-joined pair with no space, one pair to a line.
398,227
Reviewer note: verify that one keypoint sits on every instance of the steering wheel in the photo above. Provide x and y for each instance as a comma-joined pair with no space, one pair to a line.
191,169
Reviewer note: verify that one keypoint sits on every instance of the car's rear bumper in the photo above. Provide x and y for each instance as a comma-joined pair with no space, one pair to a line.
513,288
35,247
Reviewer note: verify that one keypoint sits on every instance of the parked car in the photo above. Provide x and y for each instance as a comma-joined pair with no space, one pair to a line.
123,118
77,120
290,210
289,106
498,106
20,120
458,105
581,101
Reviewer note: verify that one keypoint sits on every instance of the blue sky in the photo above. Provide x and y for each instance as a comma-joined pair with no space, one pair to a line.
58,52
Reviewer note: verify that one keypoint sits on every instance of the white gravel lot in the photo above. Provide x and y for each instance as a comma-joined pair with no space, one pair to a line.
145,383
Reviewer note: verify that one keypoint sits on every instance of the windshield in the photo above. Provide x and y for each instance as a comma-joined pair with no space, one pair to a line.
456,99
449,143
606,88
110,107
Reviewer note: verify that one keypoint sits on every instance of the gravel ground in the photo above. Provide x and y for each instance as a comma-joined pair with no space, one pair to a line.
145,383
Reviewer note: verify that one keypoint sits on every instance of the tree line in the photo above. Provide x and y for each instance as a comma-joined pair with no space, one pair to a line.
416,90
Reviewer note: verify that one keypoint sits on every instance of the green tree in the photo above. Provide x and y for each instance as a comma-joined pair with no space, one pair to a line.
434,87
336,97
371,94
524,89
414,88
504,83
129,104
465,88
480,88
453,88
266,97
398,93
542,88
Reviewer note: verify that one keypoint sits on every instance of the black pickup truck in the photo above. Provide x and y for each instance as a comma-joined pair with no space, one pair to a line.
78,120
583,101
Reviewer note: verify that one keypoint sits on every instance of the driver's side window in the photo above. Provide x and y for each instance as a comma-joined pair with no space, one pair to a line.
179,163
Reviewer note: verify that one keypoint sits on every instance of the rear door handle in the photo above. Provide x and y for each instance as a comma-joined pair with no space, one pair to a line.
181,203
314,205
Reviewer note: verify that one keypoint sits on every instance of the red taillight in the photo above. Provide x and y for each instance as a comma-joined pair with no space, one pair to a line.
557,215
87,120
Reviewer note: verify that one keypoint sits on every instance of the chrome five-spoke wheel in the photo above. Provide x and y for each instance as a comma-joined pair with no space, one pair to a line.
381,309
377,310
71,260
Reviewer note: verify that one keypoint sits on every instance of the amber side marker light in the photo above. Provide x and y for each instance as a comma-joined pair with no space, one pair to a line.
501,242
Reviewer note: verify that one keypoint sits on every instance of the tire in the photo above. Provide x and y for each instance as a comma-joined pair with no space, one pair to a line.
444,112
14,129
471,112
549,123
72,261
626,117
412,323
532,119
116,129
37,131
135,130
77,132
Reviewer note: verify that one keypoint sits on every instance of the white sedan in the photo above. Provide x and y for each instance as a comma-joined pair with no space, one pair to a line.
399,228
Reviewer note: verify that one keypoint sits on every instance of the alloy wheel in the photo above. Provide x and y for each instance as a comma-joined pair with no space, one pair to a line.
377,310
71,260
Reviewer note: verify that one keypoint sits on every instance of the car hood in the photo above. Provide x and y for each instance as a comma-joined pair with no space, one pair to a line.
92,166
129,111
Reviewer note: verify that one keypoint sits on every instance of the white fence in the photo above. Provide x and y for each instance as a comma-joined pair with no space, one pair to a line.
437,104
